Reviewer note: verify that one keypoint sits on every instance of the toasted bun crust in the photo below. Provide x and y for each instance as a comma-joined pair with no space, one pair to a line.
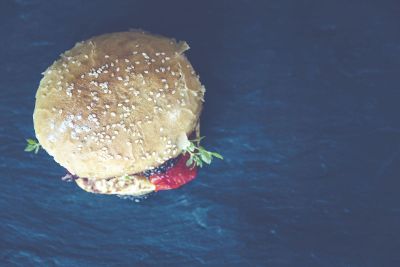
117,103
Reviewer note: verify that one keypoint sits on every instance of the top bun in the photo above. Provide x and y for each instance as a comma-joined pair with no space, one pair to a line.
117,104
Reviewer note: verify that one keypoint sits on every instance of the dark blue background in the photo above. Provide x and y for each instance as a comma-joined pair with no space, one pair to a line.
302,100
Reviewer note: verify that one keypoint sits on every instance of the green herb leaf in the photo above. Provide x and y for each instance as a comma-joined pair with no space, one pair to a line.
31,141
29,148
32,145
215,154
198,154
199,162
189,162
206,157
191,147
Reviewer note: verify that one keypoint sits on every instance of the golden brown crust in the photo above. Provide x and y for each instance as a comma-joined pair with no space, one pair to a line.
117,103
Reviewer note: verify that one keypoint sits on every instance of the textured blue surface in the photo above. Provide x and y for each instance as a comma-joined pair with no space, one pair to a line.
303,102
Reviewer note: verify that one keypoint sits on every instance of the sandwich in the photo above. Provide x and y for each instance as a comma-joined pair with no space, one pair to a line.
120,112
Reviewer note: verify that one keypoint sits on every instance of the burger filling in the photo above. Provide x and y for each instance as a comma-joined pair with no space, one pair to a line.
175,176
170,175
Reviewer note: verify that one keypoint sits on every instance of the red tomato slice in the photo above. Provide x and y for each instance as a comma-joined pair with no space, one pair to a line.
175,177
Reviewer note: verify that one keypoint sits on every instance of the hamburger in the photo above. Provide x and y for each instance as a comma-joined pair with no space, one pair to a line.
121,113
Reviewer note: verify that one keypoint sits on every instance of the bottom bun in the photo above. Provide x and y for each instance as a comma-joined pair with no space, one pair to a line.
135,185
